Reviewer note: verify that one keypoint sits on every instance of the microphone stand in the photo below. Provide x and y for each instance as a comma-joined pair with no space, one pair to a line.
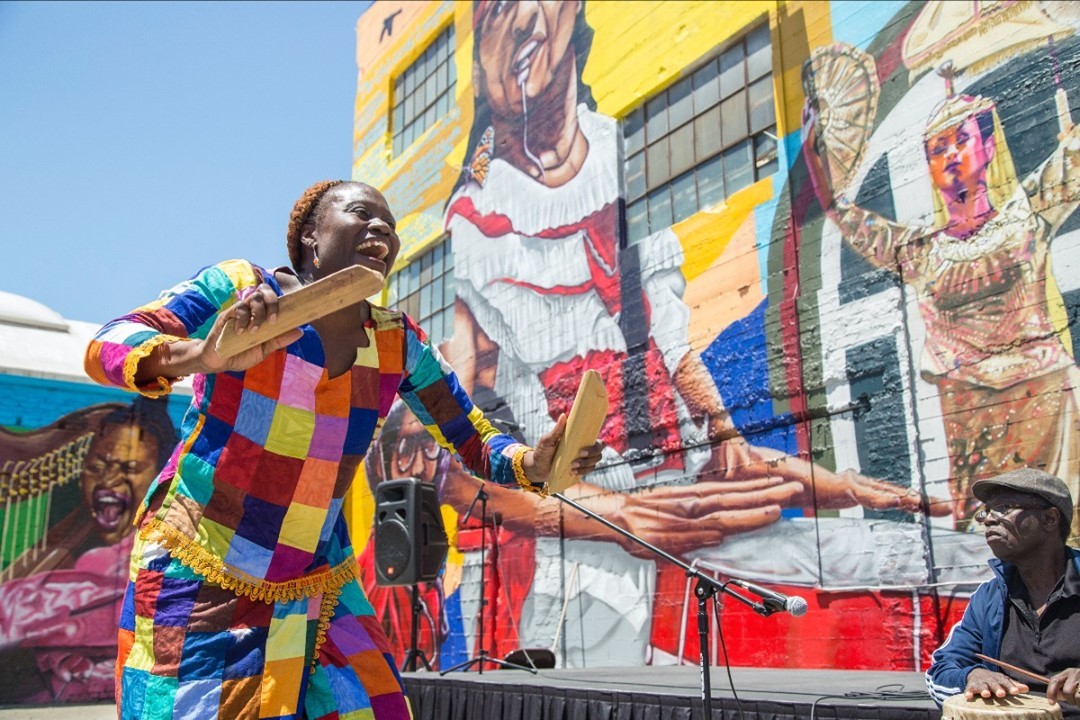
482,653
705,590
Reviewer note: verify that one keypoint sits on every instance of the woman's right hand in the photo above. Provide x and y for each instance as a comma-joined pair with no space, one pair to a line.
178,359
254,308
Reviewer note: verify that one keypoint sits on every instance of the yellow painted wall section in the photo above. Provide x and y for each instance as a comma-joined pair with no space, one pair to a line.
643,46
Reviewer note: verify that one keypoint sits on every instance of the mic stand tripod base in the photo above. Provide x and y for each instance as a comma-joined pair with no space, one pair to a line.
482,653
483,657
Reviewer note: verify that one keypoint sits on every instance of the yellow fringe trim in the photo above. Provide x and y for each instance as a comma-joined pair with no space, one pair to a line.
516,462
326,611
131,366
213,569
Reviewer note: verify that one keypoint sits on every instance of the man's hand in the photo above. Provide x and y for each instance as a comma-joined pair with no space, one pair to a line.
1065,687
987,683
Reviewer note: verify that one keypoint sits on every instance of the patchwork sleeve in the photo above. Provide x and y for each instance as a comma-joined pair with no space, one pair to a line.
186,311
432,391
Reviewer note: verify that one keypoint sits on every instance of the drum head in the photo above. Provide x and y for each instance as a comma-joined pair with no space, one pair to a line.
1014,707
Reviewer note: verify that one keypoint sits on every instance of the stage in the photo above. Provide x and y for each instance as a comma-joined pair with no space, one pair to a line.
667,693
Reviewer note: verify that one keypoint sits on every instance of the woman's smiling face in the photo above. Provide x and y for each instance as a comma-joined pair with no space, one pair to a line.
355,227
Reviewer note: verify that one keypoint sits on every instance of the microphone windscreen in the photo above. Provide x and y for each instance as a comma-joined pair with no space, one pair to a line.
797,606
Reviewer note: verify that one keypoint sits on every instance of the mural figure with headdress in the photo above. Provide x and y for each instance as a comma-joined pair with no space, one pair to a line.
997,345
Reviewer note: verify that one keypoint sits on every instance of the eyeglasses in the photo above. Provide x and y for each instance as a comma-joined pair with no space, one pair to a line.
409,445
1000,510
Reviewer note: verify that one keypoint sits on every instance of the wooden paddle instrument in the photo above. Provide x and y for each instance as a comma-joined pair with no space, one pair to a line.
309,303
583,425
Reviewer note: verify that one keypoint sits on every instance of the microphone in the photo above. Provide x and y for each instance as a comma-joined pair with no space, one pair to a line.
774,601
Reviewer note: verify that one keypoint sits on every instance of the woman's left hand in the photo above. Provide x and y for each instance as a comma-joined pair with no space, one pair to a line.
537,462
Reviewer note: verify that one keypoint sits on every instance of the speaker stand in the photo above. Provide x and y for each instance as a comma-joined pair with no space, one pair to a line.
482,655
415,653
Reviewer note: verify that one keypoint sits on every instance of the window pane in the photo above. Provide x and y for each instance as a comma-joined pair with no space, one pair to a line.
410,134
452,70
425,301
657,167
762,110
707,133
429,117
448,290
431,89
439,78
421,98
738,167
733,118
660,208
710,182
437,292
637,221
635,176
399,144
731,70
656,122
759,53
410,80
425,271
680,103
634,131
684,196
681,143
399,117
765,155
706,88
442,107
398,88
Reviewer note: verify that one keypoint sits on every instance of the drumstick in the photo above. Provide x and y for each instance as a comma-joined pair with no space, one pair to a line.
1017,670
311,302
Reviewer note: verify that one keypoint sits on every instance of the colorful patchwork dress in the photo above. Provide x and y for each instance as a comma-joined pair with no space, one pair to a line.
243,599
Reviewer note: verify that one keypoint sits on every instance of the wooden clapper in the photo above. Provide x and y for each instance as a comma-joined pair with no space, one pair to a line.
583,425
309,303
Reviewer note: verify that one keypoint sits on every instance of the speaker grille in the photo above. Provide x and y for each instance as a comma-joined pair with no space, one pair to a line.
394,547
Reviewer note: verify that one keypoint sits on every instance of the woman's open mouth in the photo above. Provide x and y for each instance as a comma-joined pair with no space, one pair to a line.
373,249
109,508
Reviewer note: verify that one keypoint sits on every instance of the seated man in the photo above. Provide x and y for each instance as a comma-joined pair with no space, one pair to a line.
1028,614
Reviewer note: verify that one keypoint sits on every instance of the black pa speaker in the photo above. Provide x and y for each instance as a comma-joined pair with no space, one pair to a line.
410,541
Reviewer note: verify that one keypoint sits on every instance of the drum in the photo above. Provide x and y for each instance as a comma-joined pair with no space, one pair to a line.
1014,707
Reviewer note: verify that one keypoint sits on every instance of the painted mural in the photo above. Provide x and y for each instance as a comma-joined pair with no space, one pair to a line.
70,491
806,375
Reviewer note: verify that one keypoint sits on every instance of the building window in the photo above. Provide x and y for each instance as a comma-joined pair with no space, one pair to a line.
425,290
424,92
702,139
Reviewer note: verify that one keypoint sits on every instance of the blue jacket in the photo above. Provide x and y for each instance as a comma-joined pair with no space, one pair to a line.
979,631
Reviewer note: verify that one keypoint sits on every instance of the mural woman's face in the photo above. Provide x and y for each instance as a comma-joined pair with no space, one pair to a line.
524,45
118,469
959,157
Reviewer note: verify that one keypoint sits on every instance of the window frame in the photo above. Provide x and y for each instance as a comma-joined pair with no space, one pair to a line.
719,123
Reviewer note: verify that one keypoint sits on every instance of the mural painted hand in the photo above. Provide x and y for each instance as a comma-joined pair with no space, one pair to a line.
849,489
683,518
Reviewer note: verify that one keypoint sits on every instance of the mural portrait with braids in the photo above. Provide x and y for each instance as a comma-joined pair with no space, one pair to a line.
61,596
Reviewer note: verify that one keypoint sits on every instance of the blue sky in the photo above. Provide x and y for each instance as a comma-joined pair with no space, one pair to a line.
142,141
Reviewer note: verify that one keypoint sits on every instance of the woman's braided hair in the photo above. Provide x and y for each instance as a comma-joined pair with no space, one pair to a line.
302,210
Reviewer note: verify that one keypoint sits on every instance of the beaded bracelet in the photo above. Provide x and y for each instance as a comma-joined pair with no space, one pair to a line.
516,461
